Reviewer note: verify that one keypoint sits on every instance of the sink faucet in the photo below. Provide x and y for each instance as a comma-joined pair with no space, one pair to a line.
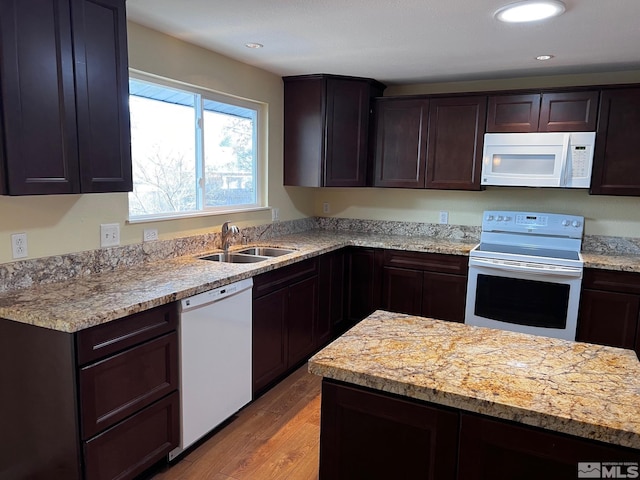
228,231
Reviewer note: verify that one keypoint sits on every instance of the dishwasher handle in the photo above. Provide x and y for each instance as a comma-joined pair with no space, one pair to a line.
215,294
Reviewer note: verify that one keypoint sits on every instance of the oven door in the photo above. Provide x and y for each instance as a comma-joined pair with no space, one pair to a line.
523,297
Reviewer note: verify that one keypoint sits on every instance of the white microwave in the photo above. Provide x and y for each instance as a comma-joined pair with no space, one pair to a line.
538,159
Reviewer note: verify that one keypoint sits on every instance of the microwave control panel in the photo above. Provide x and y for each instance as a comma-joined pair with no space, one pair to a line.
580,160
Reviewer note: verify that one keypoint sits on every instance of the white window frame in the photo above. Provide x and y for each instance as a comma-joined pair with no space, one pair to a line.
260,143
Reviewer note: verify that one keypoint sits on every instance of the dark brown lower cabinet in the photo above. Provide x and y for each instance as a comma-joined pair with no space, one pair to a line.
499,450
285,317
426,284
101,403
367,435
610,309
331,279
362,284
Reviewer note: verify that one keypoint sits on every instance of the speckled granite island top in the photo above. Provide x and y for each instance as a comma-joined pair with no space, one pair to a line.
581,389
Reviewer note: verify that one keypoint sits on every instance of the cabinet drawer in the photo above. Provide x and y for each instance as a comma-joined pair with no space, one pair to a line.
117,335
135,444
272,281
432,262
114,388
612,281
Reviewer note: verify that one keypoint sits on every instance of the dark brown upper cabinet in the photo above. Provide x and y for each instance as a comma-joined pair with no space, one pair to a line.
429,143
401,142
64,81
326,124
616,162
543,112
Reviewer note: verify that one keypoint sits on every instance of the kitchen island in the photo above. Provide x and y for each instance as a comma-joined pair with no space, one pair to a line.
409,396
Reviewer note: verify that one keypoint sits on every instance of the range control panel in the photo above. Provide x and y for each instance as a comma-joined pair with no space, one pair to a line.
552,224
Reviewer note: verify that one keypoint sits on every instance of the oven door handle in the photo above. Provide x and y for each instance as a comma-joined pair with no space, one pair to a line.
558,271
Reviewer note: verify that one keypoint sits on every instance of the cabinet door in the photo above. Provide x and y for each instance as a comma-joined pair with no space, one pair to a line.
301,320
402,290
444,296
363,284
401,143
495,450
102,93
513,113
38,103
331,279
608,318
269,346
367,435
455,140
347,133
568,112
616,162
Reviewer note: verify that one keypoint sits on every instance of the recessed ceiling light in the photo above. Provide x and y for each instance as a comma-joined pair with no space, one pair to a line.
253,45
544,57
529,11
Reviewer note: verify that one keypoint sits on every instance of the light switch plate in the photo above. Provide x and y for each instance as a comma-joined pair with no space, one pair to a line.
444,217
109,234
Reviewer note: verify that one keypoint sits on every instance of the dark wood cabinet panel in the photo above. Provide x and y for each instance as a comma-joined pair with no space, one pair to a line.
616,162
331,280
269,345
368,435
134,445
65,108
113,389
444,296
38,98
102,93
363,284
610,308
426,284
302,317
400,142
608,318
454,142
497,450
569,111
402,290
513,113
326,125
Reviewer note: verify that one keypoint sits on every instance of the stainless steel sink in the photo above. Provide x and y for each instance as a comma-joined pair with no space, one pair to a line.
234,258
266,251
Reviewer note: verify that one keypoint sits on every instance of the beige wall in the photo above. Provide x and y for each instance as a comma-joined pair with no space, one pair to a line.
70,223
58,224
605,215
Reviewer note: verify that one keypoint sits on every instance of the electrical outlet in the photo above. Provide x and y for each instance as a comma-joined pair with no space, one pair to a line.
150,234
444,217
19,245
109,235
275,214
326,208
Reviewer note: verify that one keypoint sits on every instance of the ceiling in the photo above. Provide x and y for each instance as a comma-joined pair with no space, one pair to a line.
403,41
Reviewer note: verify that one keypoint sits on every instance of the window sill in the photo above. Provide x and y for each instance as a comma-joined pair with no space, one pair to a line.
181,216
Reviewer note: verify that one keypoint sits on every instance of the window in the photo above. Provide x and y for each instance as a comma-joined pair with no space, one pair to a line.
193,151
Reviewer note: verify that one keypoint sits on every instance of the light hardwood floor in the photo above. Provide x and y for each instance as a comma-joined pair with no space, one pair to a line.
276,437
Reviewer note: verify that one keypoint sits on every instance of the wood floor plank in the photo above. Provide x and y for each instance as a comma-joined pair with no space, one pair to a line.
275,437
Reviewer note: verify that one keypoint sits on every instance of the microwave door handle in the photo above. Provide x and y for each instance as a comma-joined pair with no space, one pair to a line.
564,170
557,272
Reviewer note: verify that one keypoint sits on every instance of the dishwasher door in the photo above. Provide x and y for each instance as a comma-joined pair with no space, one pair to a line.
215,359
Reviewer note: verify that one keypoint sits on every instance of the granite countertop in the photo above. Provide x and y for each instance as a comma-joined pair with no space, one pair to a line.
581,389
86,301
89,300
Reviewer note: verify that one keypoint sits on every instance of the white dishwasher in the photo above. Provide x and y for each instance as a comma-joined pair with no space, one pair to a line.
215,359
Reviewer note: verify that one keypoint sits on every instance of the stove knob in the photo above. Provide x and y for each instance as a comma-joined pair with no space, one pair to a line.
507,219
490,218
500,218
575,223
565,223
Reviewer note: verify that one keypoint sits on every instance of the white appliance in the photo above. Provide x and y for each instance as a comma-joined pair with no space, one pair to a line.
526,273
538,159
215,359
